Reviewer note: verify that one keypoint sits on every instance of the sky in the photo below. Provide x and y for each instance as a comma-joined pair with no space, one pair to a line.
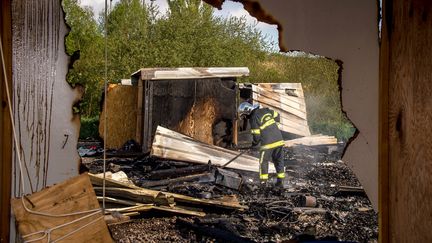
228,9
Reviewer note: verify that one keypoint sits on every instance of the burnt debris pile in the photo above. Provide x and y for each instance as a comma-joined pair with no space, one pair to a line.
185,202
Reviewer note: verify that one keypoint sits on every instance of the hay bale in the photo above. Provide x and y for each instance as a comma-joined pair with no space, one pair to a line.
121,115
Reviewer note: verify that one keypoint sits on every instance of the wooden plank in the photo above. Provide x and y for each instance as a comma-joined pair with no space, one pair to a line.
172,145
191,73
312,140
278,98
5,122
177,197
300,103
291,109
70,196
137,195
285,107
294,125
409,32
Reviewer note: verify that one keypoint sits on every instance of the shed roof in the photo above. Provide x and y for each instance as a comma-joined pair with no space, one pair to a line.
190,73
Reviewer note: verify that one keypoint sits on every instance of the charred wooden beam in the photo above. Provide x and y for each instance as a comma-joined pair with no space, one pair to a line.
175,180
177,172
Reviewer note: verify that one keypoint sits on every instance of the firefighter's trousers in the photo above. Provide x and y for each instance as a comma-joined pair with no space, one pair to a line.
275,155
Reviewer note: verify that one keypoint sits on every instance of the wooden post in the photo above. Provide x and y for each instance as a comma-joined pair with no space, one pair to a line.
139,121
5,122
383,164
406,122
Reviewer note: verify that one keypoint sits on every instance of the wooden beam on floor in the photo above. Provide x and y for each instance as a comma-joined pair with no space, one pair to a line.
172,145
133,192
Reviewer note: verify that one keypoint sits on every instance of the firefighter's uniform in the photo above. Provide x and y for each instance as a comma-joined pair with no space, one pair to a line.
265,131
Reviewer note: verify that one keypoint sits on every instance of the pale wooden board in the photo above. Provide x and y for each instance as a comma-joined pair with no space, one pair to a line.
273,102
297,102
292,110
172,145
312,140
294,102
73,195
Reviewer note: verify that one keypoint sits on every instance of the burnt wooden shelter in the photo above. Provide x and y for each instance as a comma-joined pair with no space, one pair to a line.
188,100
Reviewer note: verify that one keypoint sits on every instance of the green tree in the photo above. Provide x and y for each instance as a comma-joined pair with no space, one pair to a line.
128,39
85,40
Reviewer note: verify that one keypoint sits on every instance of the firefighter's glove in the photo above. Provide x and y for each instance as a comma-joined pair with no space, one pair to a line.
255,147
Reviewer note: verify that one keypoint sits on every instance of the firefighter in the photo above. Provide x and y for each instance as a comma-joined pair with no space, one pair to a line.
267,137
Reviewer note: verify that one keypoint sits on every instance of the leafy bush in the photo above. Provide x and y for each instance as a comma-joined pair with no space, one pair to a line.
89,127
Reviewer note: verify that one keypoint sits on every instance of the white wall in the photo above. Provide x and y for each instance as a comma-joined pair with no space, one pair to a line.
346,30
42,98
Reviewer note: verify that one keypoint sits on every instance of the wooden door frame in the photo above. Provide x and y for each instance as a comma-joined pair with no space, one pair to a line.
5,123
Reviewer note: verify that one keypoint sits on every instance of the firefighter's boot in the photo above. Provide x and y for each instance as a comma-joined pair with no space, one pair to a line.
279,183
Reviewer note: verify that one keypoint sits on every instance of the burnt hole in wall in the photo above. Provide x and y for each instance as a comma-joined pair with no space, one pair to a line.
323,105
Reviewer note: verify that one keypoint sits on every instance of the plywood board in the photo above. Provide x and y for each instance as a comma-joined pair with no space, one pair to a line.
121,115
73,195
172,145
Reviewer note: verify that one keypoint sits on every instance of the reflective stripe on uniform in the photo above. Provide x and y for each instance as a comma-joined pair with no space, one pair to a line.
273,145
275,114
281,175
264,176
260,161
267,123
255,131
265,116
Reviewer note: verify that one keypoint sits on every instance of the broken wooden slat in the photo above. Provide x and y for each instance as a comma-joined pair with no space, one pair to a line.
139,207
312,140
98,181
73,195
175,146
141,196
177,197
178,210
118,201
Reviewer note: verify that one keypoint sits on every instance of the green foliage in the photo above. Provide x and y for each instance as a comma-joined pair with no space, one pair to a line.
89,127
85,39
189,35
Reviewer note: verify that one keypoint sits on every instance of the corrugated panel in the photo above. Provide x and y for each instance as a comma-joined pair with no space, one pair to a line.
190,73
172,145
288,100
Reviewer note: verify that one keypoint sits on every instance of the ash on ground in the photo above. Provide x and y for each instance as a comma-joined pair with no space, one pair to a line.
341,210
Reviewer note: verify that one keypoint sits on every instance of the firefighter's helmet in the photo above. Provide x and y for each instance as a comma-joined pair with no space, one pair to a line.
246,108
